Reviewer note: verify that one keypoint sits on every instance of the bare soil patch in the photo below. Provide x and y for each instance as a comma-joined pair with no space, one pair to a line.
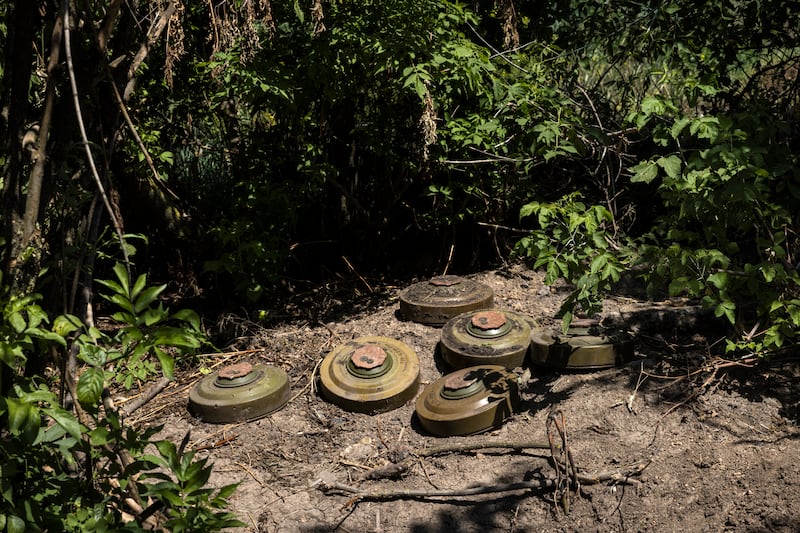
721,441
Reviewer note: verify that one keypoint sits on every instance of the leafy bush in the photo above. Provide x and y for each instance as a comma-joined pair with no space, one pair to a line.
700,188
64,472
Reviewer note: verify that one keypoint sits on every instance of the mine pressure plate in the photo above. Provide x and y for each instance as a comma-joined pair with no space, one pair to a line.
581,348
468,401
436,301
486,337
239,392
370,375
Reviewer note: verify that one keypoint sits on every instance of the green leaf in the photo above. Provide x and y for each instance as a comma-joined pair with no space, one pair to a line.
124,279
188,316
671,165
46,336
18,414
169,452
147,297
528,209
169,336
11,354
652,105
113,285
679,126
65,419
15,524
226,491
298,11
99,436
121,301
90,387
154,316
167,362
644,172
65,324
18,322
141,281
719,280
726,308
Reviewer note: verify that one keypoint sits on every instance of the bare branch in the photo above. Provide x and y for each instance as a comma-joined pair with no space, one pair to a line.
82,128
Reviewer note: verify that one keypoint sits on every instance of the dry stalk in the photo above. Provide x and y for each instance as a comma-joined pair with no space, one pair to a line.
357,494
567,476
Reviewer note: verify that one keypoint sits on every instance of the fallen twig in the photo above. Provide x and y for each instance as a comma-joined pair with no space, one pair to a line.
617,476
472,446
399,467
151,393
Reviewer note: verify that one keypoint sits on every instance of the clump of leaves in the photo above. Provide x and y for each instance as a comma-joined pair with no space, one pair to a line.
188,503
574,241
146,341
59,472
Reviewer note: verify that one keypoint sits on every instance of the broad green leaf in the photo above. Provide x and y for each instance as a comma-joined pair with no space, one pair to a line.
65,324
99,436
20,415
226,491
121,301
652,105
727,309
719,280
147,297
46,336
50,435
644,172
167,362
154,316
115,287
677,286
188,316
169,336
15,524
90,387
768,271
18,322
124,279
11,354
141,281
65,419
671,165
679,126
170,454
528,209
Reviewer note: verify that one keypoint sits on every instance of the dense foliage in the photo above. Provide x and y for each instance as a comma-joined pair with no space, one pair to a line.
243,149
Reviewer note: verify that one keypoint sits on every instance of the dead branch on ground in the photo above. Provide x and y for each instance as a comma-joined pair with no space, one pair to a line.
567,478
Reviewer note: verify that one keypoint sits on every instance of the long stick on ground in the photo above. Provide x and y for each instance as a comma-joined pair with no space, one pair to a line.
618,476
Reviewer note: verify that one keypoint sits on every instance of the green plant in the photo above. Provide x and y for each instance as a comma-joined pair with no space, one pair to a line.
147,333
62,472
730,196
189,504
576,242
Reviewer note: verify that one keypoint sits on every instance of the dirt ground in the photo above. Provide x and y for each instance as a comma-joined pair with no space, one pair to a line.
722,441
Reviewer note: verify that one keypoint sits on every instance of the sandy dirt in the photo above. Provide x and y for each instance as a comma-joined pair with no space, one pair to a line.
721,446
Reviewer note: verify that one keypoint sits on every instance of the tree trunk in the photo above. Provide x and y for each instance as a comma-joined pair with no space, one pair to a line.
23,26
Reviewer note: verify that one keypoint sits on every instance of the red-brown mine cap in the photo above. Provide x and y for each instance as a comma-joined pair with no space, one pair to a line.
458,381
368,357
445,281
235,371
486,320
